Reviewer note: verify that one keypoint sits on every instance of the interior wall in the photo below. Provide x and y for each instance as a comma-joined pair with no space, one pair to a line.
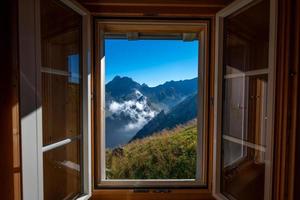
297,130
287,140
10,175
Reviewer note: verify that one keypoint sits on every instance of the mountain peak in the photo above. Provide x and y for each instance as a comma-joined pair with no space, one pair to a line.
116,78
120,87
124,78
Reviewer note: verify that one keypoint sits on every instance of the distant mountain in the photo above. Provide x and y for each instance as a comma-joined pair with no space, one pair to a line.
120,88
169,94
180,114
129,105
163,96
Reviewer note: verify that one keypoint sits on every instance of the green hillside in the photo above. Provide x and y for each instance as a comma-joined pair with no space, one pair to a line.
167,155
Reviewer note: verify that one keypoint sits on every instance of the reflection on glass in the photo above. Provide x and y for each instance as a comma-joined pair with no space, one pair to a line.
62,172
245,102
61,108
61,99
61,73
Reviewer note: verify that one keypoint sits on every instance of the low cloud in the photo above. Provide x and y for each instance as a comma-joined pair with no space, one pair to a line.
137,109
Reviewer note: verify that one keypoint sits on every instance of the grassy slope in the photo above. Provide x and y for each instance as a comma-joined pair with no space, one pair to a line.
166,155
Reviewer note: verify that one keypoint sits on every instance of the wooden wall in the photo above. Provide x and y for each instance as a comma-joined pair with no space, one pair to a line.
297,93
287,140
10,175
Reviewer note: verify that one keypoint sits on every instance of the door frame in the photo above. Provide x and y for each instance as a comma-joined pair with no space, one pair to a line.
233,7
30,98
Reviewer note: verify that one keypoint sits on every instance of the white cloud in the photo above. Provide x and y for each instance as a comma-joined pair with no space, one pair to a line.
115,107
136,109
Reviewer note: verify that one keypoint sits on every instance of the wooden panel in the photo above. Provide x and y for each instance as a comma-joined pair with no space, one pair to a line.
199,3
154,8
151,11
285,181
10,176
130,195
296,92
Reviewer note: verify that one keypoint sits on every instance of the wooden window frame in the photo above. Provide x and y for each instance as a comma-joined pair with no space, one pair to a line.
150,26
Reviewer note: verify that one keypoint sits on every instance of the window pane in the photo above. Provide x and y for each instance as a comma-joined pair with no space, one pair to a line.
61,108
151,95
245,114
245,108
61,72
62,172
241,178
61,99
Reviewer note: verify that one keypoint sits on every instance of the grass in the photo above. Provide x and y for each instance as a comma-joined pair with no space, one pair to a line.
170,154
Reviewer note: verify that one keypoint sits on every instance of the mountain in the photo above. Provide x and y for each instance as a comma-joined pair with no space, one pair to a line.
129,106
125,117
120,88
163,96
169,94
180,114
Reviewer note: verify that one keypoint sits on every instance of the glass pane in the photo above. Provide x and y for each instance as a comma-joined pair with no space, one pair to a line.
244,116
246,35
61,107
243,173
62,172
61,99
245,108
151,95
61,72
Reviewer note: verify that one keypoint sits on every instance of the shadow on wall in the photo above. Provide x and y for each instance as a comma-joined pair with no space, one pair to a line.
10,176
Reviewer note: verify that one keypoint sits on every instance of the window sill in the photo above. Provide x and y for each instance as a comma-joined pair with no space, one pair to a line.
177,194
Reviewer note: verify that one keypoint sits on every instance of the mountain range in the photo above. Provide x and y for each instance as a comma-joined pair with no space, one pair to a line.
136,110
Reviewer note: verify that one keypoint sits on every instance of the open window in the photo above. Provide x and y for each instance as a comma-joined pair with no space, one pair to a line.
150,90
244,100
64,98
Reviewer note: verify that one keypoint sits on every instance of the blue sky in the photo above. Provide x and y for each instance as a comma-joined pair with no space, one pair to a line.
151,61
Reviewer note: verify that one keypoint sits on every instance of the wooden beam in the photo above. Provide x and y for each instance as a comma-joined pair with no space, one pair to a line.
151,11
153,8
178,3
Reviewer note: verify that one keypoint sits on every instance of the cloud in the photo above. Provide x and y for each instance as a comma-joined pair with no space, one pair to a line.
115,107
137,109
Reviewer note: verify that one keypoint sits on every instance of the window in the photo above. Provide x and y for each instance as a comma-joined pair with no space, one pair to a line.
150,114
244,102
64,95
61,101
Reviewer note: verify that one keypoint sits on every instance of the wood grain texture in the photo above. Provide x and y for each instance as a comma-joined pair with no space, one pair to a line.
295,126
10,176
154,8
130,195
287,100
